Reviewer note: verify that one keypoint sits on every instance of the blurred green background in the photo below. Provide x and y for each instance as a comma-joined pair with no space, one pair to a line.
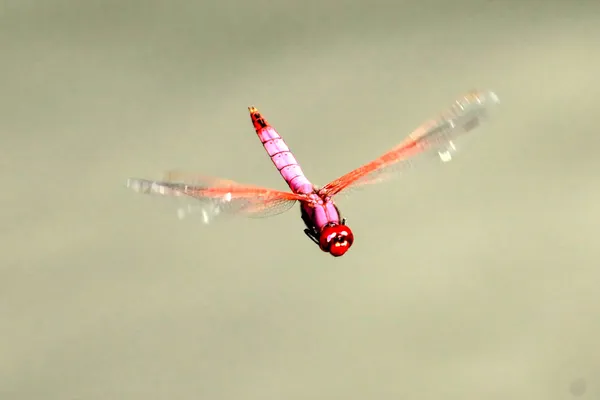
473,280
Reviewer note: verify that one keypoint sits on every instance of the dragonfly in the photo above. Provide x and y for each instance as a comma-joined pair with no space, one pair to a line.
324,224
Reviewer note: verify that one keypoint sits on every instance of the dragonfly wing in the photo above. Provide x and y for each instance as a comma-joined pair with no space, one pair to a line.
258,202
223,198
193,178
435,137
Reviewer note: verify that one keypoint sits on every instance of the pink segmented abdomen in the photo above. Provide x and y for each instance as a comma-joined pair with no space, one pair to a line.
280,154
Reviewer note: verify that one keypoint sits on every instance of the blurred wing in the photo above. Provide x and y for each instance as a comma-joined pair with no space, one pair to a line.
211,197
434,137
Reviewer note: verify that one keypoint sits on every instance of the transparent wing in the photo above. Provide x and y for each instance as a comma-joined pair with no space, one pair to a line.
435,137
211,197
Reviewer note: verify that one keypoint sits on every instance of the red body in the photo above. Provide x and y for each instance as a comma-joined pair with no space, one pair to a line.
320,214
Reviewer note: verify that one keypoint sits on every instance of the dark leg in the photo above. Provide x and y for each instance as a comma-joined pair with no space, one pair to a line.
305,218
310,230
311,235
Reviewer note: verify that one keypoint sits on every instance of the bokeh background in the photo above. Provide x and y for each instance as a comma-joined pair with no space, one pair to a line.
476,279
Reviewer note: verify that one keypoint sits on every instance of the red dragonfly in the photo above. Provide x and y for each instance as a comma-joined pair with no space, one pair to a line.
324,223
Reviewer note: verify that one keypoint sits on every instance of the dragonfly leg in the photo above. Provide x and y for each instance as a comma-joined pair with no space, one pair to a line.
311,235
306,218
310,231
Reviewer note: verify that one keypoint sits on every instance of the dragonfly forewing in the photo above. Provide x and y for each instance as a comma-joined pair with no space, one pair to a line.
211,202
436,138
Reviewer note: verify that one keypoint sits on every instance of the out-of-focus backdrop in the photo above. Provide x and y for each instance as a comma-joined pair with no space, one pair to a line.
476,279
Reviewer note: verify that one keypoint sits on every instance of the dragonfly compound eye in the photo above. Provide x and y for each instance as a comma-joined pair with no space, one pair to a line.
336,239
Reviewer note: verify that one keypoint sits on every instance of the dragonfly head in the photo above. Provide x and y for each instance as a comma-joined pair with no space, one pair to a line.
336,239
